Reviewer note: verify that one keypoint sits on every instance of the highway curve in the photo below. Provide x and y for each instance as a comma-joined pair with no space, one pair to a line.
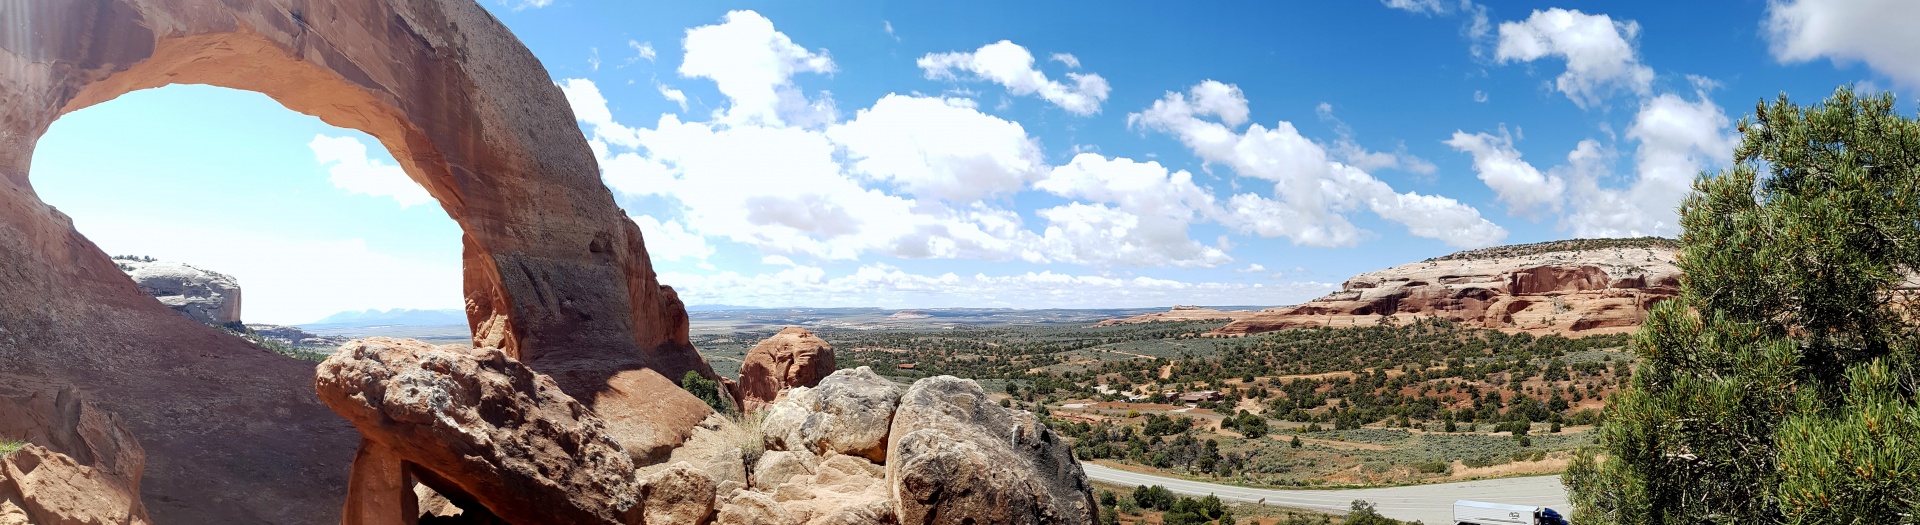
1431,504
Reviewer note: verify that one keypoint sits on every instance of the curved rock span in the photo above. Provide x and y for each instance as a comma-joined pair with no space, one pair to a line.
1573,288
556,275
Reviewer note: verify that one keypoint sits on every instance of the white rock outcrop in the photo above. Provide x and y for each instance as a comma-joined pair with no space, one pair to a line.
205,296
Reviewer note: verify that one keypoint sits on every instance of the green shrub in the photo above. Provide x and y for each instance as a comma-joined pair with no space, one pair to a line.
707,390
8,446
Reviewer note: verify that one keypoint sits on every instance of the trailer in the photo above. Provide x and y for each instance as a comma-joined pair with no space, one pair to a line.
1484,513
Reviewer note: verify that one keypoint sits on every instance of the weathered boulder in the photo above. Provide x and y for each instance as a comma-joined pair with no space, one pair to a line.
201,295
849,412
746,507
483,423
47,487
780,466
556,274
954,456
681,494
794,357
1572,288
843,489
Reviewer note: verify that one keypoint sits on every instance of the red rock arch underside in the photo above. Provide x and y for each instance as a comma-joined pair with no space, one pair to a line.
554,270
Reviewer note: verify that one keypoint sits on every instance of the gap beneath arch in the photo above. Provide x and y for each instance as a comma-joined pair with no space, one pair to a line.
312,220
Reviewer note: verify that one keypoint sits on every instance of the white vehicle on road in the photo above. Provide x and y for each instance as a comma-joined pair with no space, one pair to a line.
1483,513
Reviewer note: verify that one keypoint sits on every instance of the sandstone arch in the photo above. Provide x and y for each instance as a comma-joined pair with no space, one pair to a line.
555,272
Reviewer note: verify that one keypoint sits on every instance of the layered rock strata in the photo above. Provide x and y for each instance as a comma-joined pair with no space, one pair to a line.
792,358
201,295
1564,287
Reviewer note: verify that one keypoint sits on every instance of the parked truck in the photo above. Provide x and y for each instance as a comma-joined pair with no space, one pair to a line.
1483,513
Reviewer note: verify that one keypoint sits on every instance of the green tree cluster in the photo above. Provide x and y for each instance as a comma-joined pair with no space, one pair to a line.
707,390
1780,386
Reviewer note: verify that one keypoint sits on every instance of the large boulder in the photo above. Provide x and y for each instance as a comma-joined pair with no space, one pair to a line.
954,456
794,357
679,494
475,422
205,296
40,486
555,273
842,490
849,412
80,465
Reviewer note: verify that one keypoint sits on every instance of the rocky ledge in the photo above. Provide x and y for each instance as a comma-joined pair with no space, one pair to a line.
202,295
1572,288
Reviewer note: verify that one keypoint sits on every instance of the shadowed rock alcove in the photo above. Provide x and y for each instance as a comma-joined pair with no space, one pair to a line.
555,273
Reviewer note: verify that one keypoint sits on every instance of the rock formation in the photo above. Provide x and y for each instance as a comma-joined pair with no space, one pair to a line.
474,422
850,412
954,456
679,494
556,275
40,486
208,297
1573,288
791,358
80,464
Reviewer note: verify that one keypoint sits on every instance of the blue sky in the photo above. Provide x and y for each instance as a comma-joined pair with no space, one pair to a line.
909,154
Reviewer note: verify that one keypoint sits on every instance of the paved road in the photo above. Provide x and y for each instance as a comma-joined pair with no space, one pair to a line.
1431,504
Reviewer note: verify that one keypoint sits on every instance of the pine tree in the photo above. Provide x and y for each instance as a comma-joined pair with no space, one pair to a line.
1780,386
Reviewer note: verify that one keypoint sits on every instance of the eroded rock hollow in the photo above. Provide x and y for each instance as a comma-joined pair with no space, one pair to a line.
556,275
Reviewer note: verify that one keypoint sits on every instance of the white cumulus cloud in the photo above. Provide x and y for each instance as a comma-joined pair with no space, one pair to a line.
1524,188
1879,33
1675,140
753,65
1011,65
936,149
669,241
1139,214
1598,50
887,286
1313,193
349,168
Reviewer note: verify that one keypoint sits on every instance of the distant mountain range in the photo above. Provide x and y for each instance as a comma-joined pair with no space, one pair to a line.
394,317
719,307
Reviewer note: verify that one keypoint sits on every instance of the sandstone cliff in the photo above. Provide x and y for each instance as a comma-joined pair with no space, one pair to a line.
1573,288
201,295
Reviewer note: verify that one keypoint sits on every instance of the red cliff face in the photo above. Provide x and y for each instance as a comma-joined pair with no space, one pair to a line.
1550,288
